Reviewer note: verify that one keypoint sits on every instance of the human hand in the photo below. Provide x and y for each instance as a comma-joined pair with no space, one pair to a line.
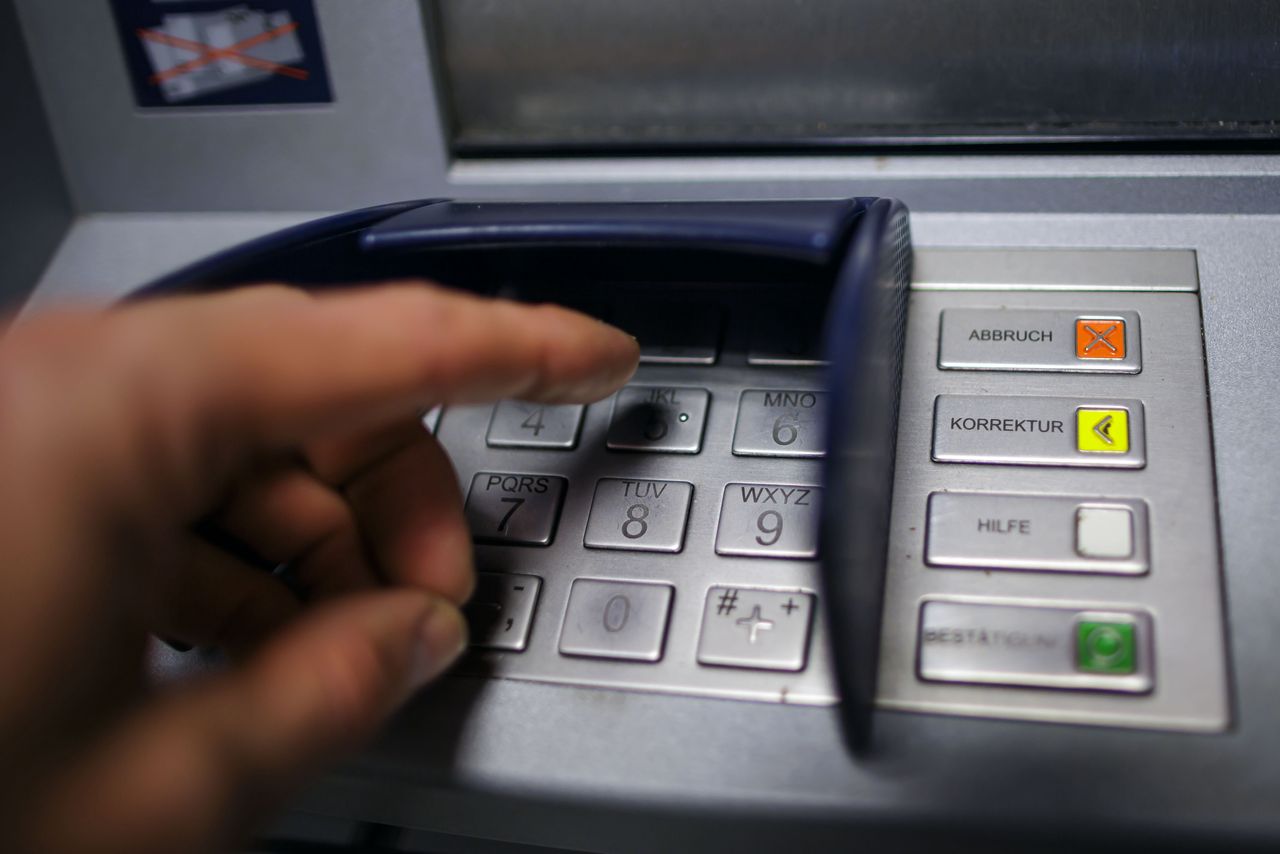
291,423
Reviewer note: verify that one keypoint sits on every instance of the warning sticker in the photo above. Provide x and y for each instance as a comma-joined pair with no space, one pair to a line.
195,53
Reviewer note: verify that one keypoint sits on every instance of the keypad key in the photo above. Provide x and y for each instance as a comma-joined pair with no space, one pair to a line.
660,419
675,333
431,418
769,520
520,509
787,334
780,423
516,424
638,515
500,612
616,619
755,629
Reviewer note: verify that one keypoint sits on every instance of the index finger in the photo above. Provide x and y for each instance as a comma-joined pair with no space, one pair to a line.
305,363
260,368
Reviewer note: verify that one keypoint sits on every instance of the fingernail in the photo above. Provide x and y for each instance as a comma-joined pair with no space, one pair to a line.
615,328
440,639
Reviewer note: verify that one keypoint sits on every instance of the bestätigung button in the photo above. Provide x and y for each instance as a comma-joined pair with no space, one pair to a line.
1036,647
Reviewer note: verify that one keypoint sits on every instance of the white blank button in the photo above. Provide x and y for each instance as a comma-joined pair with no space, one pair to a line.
1104,532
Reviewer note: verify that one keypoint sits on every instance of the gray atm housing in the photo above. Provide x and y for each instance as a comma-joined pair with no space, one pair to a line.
130,195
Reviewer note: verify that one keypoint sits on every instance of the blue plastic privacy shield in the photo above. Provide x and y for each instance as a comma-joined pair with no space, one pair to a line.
854,254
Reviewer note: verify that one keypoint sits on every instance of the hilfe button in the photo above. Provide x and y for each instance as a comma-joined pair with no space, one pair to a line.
1038,431
1042,533
998,339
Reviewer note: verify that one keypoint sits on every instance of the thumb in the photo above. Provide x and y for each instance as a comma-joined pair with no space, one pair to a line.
194,769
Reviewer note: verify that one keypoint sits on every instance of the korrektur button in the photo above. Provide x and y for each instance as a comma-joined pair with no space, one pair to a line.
1038,431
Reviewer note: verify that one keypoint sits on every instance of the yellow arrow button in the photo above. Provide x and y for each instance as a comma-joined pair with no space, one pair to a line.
1102,431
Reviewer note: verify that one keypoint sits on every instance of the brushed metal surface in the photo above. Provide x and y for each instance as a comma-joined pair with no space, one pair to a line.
1182,591
691,572
1055,269
581,73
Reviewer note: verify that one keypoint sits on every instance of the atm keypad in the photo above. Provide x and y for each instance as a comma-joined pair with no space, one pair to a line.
694,478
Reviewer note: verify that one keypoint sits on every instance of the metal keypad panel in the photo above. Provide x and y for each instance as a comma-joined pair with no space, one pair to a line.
1053,548
641,543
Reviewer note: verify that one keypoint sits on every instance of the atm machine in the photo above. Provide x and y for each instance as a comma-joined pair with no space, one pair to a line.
945,530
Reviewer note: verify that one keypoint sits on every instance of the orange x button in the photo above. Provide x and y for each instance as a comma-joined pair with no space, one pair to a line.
1100,339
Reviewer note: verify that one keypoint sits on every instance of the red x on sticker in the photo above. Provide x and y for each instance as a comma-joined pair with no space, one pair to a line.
235,53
